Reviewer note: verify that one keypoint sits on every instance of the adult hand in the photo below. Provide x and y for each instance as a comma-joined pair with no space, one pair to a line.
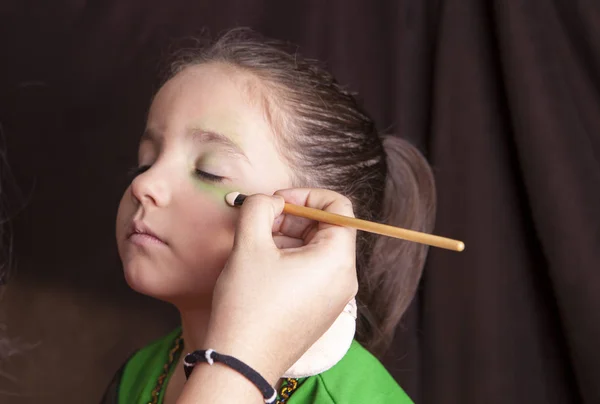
286,280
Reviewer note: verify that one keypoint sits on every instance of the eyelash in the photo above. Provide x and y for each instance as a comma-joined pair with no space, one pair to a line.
135,171
208,176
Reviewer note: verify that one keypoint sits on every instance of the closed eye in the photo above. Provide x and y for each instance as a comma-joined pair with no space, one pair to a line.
208,176
135,171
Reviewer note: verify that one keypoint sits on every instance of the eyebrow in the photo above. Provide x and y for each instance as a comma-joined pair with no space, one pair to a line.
202,135
208,136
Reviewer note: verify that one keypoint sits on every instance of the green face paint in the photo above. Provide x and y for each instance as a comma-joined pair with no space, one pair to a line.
215,191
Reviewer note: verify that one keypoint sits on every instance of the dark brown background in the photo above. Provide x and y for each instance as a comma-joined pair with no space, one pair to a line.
503,96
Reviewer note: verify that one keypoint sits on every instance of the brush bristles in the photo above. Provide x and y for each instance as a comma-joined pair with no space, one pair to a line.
235,199
230,198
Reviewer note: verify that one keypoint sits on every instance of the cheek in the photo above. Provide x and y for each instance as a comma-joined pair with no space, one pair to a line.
208,238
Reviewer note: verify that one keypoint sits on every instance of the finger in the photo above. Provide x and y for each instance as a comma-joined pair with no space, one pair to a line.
255,222
284,242
329,201
293,226
323,199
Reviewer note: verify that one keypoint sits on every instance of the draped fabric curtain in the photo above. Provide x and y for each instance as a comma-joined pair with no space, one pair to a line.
503,97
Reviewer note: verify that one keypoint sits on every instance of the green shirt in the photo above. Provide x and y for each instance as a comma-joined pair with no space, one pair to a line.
358,378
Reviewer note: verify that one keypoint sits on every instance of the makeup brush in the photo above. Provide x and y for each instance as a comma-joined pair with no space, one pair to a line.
237,199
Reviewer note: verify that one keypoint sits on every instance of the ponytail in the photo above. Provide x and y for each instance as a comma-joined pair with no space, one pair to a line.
391,279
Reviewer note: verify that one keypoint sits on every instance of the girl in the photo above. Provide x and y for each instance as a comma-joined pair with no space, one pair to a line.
244,115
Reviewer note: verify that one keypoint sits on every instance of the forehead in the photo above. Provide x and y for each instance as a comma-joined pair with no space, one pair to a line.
208,92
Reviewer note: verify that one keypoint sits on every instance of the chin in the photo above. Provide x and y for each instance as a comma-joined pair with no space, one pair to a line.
143,281
163,285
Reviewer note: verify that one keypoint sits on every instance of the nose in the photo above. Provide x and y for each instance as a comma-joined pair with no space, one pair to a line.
151,187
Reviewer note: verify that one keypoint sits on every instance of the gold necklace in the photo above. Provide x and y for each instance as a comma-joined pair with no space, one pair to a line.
288,386
174,352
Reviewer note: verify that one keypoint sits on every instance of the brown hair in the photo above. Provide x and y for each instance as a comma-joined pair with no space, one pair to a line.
332,142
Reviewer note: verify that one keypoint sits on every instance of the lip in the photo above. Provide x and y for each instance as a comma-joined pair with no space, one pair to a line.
139,233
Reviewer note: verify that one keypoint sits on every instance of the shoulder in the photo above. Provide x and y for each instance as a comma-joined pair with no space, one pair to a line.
358,378
155,352
139,373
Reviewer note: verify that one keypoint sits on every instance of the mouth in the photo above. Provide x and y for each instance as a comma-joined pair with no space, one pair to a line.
139,233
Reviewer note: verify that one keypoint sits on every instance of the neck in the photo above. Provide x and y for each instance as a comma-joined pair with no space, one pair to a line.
194,322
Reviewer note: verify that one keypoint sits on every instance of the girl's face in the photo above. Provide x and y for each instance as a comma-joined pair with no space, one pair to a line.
206,135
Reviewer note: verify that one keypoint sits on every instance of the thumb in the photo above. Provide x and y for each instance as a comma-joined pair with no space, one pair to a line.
257,214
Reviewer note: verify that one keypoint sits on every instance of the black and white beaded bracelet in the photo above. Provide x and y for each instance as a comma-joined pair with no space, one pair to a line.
210,356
